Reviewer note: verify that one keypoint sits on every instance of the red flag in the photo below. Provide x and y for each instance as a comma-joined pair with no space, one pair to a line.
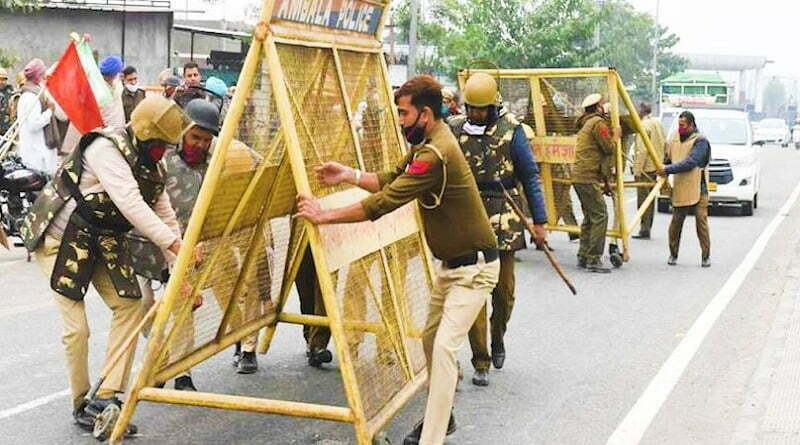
70,87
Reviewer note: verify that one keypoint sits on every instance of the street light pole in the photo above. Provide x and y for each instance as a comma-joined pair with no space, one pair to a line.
656,35
412,39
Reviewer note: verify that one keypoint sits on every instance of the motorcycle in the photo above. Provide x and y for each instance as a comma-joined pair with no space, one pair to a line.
18,190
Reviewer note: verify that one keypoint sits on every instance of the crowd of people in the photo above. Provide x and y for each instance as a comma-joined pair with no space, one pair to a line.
113,214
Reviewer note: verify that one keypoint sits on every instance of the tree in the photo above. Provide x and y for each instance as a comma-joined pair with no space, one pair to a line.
542,34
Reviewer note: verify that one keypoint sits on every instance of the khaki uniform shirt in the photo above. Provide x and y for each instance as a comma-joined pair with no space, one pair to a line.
594,148
459,225
642,162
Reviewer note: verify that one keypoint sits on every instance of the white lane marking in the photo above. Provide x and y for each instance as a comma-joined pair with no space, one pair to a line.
35,403
635,424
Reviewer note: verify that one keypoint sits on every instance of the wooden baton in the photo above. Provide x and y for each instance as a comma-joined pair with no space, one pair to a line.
546,249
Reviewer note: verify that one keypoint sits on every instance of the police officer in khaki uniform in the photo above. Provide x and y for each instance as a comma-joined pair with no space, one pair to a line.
110,184
688,155
644,170
562,197
591,175
499,153
435,173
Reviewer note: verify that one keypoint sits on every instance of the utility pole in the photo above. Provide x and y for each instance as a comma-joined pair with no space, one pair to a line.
412,39
656,36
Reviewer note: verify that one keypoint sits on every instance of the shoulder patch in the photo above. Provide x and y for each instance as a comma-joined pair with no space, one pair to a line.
418,167
604,132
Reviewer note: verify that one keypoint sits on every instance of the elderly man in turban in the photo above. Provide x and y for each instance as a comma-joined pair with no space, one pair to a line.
35,112
113,113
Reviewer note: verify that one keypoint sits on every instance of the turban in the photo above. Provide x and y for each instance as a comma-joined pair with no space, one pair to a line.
111,66
35,70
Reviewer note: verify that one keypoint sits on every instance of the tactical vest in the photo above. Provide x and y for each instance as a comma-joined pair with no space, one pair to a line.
489,158
95,233
686,186
183,186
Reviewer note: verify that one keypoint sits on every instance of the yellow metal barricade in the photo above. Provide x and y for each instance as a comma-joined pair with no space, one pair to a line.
549,101
313,89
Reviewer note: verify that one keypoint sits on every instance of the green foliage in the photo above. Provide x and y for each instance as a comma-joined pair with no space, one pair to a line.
541,34
7,58
20,5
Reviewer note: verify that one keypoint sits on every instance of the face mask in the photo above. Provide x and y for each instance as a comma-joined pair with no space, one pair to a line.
684,131
132,87
152,151
445,110
414,134
193,155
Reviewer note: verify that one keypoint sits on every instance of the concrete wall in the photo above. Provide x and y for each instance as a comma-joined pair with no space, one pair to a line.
45,34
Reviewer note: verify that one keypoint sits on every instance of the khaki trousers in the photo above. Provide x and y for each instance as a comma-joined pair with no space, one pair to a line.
126,314
458,296
641,196
700,221
595,222
502,305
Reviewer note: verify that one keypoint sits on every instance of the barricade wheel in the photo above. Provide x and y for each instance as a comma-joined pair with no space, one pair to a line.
616,260
104,423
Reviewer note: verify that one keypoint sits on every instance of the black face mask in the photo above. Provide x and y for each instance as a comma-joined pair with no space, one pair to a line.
414,134
491,117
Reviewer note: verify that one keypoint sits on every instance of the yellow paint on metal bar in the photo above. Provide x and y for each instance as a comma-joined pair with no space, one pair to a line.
249,404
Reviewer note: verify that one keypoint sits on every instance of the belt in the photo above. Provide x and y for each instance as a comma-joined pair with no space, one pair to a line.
471,258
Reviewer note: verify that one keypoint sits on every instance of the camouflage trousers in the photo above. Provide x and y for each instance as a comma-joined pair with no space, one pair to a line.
126,314
502,305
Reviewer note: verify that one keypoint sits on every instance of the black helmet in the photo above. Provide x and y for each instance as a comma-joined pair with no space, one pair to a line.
204,114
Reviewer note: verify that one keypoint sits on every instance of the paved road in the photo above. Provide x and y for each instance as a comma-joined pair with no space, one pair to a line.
576,365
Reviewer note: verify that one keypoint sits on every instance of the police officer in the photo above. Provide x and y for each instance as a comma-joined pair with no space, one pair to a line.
687,160
562,197
499,154
436,174
644,169
185,168
6,91
111,183
593,157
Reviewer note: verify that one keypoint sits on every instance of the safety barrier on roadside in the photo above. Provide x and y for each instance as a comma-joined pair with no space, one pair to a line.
549,101
313,88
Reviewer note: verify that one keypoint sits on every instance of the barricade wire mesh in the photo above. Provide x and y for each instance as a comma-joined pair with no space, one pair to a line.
249,240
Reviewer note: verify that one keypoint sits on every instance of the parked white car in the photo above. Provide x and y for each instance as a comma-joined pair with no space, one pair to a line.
735,168
771,130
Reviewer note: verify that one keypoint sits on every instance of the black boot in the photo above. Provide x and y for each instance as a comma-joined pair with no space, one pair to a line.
184,383
318,356
706,262
673,260
237,354
248,364
414,435
83,419
642,235
498,356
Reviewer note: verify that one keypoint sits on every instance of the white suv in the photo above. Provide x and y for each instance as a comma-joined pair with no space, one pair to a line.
735,168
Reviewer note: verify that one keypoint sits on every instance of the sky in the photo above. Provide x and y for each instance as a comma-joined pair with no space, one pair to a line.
768,28
735,27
